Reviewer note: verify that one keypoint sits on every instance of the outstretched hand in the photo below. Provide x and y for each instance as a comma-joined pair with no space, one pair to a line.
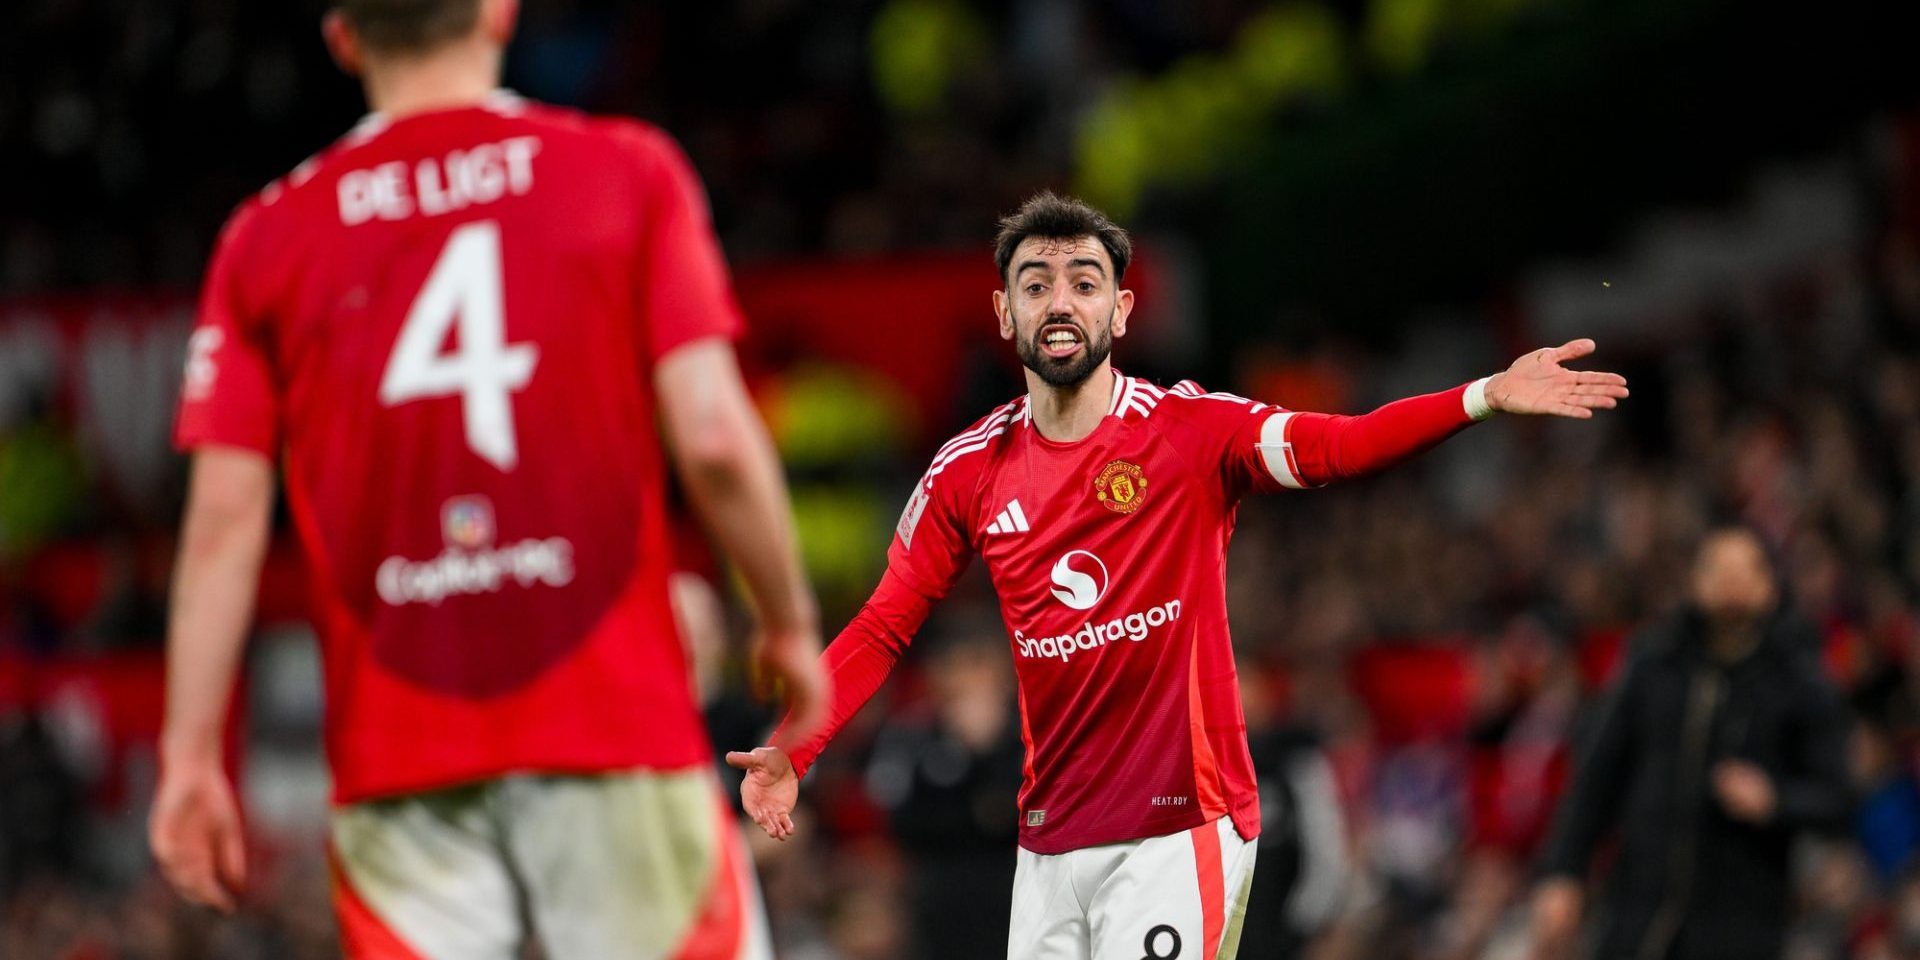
1538,384
770,789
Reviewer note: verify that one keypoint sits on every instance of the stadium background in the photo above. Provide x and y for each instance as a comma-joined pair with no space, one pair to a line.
1339,201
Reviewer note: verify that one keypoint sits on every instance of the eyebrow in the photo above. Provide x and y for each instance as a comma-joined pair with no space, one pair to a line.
1075,262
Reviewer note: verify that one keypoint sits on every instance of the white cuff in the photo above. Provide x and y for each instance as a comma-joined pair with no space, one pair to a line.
1476,400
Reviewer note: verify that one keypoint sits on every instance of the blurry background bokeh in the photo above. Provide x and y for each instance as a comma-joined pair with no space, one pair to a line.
1338,202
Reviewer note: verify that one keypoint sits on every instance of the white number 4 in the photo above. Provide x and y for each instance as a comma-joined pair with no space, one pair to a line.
464,288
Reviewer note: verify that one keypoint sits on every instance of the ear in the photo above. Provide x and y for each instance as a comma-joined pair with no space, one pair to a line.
342,43
498,18
1122,308
1003,311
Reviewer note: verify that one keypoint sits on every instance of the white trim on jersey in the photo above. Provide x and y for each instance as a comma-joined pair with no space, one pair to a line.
1121,392
976,439
972,433
505,102
1191,390
1142,398
1010,520
1278,453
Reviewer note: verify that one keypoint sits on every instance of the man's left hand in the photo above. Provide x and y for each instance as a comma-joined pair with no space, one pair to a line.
1538,384
1744,790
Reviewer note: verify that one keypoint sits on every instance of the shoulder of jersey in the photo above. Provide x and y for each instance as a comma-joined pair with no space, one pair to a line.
1135,400
974,447
1138,399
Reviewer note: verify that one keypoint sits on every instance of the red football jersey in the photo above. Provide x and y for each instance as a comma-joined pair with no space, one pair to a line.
1109,557
445,327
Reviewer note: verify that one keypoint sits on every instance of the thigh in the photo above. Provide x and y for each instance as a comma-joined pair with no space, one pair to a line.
423,877
635,864
1177,897
1049,920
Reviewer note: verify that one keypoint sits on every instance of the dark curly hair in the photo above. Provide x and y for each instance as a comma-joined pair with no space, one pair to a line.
1053,217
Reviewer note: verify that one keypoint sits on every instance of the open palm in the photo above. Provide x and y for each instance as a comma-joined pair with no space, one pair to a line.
770,790
1537,383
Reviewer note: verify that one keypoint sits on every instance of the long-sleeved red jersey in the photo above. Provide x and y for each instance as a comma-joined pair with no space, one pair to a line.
1109,557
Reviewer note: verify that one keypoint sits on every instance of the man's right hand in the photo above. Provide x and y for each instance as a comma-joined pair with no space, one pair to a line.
770,790
1556,917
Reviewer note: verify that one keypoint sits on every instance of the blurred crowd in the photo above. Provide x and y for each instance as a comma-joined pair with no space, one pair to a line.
1419,652
853,126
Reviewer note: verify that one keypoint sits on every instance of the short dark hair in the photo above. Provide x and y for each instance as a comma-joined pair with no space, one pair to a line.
1053,217
409,26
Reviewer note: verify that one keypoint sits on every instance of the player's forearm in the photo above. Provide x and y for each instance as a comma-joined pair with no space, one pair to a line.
859,661
1331,447
223,543
733,480
741,496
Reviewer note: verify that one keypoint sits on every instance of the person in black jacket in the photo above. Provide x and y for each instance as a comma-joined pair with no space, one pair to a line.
1720,741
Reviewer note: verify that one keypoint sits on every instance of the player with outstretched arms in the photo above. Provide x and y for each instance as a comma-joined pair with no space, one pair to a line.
1102,505
462,334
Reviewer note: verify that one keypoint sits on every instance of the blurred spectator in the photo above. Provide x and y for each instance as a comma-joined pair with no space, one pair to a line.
1303,869
948,777
41,815
1719,743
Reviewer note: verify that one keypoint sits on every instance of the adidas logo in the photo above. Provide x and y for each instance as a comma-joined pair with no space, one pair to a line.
1010,520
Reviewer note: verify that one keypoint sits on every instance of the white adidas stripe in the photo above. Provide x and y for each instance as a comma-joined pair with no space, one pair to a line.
1010,520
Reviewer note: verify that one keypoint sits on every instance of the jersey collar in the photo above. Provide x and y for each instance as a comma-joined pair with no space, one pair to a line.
502,101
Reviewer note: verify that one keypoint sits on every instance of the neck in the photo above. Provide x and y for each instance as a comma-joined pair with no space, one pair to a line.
1732,640
1070,413
460,74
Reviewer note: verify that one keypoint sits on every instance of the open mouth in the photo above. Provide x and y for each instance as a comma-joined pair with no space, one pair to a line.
1060,340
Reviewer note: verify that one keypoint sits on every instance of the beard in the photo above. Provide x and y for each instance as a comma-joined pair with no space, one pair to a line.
1066,371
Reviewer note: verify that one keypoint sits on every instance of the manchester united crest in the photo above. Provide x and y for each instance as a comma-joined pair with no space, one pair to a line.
1121,486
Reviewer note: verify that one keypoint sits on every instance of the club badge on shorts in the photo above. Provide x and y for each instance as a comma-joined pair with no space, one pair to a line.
1121,486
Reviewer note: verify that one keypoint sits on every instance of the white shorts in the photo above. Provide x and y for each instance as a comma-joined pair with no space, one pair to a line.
641,865
1178,896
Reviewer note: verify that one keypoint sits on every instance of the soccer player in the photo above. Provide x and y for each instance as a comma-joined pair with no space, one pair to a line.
1102,505
454,333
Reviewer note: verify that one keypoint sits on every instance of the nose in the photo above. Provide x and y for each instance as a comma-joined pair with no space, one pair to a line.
1060,304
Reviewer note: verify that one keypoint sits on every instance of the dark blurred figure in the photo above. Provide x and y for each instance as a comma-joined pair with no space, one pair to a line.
1720,741
1304,868
1888,821
949,779
42,805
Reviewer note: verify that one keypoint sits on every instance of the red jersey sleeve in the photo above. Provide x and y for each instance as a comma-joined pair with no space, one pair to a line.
227,395
931,543
931,548
1312,449
859,660
1262,447
1225,429
685,292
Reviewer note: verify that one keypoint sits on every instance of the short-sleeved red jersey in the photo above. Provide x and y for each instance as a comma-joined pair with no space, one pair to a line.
445,328
1109,557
